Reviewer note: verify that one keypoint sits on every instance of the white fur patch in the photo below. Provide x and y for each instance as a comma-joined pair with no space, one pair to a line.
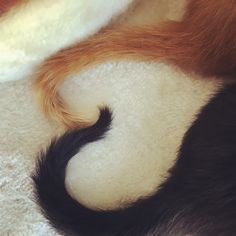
40,28
153,107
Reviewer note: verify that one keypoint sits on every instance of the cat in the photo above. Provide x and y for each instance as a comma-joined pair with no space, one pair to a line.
198,198
204,42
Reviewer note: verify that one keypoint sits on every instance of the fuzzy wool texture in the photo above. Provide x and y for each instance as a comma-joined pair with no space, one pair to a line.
153,106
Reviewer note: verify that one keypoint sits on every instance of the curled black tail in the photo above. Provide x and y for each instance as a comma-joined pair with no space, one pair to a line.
64,213
198,198
70,217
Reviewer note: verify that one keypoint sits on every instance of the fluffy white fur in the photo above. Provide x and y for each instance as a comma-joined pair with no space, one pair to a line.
41,27
152,110
153,106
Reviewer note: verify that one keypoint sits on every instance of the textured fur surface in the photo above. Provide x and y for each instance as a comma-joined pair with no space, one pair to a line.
51,170
198,198
136,153
149,123
134,157
193,213
38,28
203,42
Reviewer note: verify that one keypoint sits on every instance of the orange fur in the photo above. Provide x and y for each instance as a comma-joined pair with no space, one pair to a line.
203,42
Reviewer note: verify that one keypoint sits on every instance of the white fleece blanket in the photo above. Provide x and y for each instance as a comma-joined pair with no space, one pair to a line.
153,105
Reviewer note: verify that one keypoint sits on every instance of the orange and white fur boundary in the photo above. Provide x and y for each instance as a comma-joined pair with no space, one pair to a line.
31,30
195,43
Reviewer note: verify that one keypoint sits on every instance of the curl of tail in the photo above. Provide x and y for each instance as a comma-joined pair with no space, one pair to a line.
203,42
130,43
70,217
57,205
198,198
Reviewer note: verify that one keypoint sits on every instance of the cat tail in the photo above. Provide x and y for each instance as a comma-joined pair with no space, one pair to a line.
64,212
68,216
202,42
139,43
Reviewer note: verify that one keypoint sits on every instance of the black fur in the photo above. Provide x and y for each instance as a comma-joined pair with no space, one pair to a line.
198,198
